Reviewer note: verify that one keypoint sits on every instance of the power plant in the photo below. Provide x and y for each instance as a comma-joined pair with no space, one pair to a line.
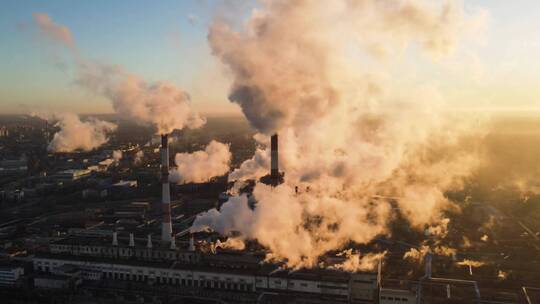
122,251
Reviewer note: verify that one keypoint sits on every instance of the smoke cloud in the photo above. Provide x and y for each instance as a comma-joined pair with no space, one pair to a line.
356,262
471,264
418,254
75,134
200,166
231,243
53,31
252,168
161,103
353,140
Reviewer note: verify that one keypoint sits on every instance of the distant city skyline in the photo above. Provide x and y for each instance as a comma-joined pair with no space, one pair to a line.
167,41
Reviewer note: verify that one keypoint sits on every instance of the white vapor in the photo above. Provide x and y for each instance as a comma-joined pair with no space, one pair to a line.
317,73
356,262
200,166
161,103
53,30
252,168
75,134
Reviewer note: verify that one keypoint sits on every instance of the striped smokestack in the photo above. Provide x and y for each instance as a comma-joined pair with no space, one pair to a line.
166,228
274,165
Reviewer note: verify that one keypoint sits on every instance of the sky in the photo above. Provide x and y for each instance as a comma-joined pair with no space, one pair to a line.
167,40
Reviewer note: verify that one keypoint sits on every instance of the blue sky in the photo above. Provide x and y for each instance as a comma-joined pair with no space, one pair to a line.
157,40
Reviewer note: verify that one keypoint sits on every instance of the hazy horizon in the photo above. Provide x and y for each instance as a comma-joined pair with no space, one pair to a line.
492,70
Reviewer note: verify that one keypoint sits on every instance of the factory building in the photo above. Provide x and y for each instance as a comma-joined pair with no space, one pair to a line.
334,286
181,266
135,248
10,275
393,296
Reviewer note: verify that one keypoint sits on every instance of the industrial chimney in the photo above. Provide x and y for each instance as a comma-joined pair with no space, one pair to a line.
275,177
166,228
274,164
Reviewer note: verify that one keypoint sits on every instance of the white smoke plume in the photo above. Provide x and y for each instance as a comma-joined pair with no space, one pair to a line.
356,262
161,104
418,254
439,230
53,31
312,71
231,243
117,155
200,166
294,227
471,264
75,134
252,168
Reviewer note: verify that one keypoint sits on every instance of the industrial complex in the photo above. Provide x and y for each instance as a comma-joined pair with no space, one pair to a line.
126,248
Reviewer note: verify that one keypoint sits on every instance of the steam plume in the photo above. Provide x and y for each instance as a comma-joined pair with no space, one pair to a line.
230,243
355,262
159,103
75,134
200,166
53,31
418,254
252,168
313,71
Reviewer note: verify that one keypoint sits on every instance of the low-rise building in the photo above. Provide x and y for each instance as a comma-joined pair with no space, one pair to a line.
10,275
15,166
332,286
392,296
54,281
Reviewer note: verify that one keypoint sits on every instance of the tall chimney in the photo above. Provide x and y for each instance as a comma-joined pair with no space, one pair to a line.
166,227
274,164
131,240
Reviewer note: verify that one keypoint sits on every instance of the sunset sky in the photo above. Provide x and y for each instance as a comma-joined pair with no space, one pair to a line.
497,69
